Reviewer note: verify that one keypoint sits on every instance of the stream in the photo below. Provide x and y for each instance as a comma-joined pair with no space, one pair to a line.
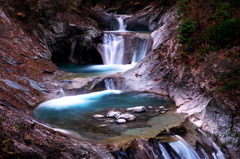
87,115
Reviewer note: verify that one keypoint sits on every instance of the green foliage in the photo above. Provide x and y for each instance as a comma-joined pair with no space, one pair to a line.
221,12
219,35
186,29
183,7
230,80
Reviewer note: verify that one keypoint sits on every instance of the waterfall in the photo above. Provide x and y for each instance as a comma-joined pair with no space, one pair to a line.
109,84
140,52
121,23
179,149
116,45
62,93
113,48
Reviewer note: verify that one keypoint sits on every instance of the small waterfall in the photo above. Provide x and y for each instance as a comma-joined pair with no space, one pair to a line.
109,84
217,153
140,52
113,48
62,93
179,149
122,26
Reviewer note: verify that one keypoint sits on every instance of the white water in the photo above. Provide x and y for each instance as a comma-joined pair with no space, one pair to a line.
109,84
141,52
114,45
122,26
183,150
218,153
113,48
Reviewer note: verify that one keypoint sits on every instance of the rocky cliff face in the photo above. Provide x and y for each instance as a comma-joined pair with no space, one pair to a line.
27,77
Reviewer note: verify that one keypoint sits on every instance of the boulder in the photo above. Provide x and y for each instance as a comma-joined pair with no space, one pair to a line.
128,117
121,121
137,109
113,114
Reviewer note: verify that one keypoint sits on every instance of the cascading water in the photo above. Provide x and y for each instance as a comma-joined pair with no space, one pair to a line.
113,49
153,149
120,18
72,109
115,45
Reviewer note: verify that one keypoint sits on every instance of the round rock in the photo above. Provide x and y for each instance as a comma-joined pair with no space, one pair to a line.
121,121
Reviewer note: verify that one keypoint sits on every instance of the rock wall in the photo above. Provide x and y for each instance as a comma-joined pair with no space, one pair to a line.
164,71
27,78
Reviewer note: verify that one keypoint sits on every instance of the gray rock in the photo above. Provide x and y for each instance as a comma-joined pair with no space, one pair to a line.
113,114
163,112
121,121
137,109
150,107
128,117
15,85
98,116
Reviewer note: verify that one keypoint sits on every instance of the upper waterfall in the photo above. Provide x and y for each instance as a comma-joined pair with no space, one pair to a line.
122,25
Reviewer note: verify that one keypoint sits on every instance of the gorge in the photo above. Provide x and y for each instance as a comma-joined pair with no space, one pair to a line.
146,63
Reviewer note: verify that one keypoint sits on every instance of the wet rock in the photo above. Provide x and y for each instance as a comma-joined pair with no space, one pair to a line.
98,116
121,121
179,130
113,114
163,112
150,107
137,109
128,117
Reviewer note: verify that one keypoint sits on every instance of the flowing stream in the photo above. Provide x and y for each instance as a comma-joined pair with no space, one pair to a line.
77,113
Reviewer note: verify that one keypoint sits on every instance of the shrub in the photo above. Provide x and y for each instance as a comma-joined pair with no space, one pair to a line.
219,35
186,29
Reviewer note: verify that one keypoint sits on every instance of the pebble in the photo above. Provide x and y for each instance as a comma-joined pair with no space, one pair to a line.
103,125
150,107
121,121
163,112
98,116
157,110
